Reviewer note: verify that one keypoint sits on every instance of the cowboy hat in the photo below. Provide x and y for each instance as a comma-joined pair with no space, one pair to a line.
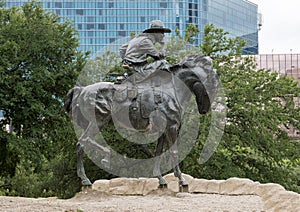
157,26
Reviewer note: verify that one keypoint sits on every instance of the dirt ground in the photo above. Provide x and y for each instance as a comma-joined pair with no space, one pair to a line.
96,202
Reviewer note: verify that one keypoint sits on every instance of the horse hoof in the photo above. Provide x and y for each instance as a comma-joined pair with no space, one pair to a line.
86,182
163,182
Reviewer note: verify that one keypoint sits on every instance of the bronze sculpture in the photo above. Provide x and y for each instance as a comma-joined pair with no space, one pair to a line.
135,53
154,104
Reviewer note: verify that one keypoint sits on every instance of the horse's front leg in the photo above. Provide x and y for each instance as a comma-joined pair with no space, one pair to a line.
172,138
80,168
178,174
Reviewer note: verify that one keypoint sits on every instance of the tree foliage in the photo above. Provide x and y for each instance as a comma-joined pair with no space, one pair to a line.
260,107
39,63
99,68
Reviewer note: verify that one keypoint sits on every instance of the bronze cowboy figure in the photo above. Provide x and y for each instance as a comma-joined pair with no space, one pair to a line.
135,52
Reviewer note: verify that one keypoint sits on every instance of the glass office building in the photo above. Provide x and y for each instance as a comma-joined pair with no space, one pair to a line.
109,22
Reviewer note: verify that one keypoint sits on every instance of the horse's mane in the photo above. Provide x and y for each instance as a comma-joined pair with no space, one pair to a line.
186,67
192,61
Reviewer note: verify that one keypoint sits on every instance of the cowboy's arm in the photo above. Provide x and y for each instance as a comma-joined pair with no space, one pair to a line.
148,47
122,50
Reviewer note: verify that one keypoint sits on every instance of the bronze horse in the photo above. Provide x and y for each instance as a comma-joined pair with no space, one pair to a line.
152,104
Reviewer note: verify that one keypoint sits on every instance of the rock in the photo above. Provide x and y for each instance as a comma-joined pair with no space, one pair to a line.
126,186
238,186
265,191
150,185
101,186
205,186
213,186
198,186
282,200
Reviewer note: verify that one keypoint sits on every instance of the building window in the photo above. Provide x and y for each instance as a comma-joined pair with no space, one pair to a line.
79,12
58,5
69,4
163,4
91,19
101,26
70,12
110,5
100,4
163,12
90,33
121,26
90,26
79,26
122,33
143,19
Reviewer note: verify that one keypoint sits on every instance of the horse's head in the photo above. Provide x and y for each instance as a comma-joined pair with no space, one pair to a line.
197,73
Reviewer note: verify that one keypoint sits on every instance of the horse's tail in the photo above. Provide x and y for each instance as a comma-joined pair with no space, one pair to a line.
72,108
71,95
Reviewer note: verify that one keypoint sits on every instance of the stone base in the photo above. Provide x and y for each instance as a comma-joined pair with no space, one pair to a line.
274,196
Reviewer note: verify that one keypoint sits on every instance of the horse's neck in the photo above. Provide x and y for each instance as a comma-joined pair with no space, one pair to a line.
184,75
183,90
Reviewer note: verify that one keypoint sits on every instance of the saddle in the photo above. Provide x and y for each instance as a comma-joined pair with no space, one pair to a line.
123,93
142,107
142,101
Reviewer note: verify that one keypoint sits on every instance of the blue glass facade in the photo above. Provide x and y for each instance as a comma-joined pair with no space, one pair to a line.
109,22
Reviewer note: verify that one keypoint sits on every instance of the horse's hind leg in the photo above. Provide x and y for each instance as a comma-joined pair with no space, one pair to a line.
86,139
86,142
80,168
157,172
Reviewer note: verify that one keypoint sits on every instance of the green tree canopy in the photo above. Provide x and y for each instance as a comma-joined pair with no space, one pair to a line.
260,106
39,63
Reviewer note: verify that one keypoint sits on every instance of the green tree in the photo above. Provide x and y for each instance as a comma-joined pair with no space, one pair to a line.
97,69
39,63
180,46
190,32
260,105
